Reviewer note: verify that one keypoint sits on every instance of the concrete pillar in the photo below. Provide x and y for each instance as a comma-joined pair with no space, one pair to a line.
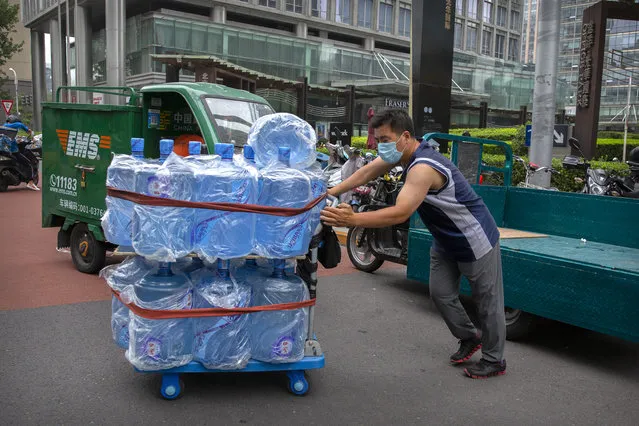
301,29
218,13
115,47
57,58
374,16
369,44
395,29
38,77
354,10
83,36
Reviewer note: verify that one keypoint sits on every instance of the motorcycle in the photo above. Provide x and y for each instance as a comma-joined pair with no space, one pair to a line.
12,172
597,181
368,248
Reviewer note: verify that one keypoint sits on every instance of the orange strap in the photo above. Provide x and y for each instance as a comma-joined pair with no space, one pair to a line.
149,200
209,312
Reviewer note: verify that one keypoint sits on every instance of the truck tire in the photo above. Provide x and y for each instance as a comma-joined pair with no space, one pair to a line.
4,185
362,257
519,323
87,252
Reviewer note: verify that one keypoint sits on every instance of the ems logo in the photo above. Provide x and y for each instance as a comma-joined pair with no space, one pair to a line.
82,144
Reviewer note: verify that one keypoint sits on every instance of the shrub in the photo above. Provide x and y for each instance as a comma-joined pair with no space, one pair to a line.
505,134
609,148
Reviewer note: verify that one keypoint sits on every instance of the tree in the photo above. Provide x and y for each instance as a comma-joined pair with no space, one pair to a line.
9,17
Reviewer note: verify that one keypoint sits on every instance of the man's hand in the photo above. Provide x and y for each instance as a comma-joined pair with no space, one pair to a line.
341,215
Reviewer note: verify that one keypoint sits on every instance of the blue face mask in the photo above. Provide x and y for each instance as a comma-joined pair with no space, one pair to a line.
389,153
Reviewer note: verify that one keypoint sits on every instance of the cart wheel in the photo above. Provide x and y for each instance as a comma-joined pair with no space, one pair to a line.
297,383
172,386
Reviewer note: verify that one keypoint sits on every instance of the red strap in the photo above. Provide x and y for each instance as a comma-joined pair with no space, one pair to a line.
209,312
148,200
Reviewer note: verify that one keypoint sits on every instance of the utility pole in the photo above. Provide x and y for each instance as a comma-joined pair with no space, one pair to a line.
544,104
625,126
15,81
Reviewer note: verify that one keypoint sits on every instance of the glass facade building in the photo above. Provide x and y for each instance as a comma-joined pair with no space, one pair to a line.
331,42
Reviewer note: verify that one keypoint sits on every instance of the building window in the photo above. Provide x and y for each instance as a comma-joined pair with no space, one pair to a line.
319,8
500,41
487,42
343,11
404,19
471,9
488,11
365,13
293,6
459,8
269,3
471,37
385,23
513,49
515,20
501,16
459,35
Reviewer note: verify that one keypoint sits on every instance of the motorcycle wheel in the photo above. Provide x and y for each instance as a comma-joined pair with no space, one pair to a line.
361,254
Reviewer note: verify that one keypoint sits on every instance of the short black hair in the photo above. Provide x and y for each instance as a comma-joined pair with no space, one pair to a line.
398,120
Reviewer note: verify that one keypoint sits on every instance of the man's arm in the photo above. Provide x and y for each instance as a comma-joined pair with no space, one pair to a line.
418,182
364,175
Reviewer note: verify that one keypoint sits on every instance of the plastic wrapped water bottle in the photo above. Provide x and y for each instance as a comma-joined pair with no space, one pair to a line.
116,222
318,187
223,234
248,271
121,278
279,336
166,343
282,237
195,158
221,342
272,131
164,233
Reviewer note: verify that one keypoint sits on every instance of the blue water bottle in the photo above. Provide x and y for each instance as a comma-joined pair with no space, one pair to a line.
166,343
283,237
279,336
164,233
223,234
221,342
116,223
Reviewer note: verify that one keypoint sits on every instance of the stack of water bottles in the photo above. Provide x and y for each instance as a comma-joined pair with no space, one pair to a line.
189,258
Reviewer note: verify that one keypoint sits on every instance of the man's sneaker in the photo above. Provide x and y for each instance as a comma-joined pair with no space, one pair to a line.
466,350
485,369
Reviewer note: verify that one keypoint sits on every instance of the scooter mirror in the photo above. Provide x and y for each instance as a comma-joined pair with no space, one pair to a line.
574,144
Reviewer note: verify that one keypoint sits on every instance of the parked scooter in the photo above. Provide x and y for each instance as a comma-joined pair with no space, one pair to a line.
597,181
12,172
368,248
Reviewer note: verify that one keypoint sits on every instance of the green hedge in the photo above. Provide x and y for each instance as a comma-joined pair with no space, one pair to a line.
497,134
609,148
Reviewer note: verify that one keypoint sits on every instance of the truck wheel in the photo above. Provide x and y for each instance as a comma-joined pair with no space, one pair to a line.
360,252
518,323
87,252
3,184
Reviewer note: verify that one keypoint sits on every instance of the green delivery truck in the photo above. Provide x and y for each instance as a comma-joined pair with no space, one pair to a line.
79,140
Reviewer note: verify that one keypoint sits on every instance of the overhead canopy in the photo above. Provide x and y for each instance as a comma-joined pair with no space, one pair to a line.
197,63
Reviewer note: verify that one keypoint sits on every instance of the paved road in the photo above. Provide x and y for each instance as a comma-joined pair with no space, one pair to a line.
385,344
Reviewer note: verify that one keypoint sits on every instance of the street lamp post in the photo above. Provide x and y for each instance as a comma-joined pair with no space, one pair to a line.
15,81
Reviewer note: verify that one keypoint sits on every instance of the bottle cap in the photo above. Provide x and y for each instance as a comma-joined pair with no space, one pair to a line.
195,148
